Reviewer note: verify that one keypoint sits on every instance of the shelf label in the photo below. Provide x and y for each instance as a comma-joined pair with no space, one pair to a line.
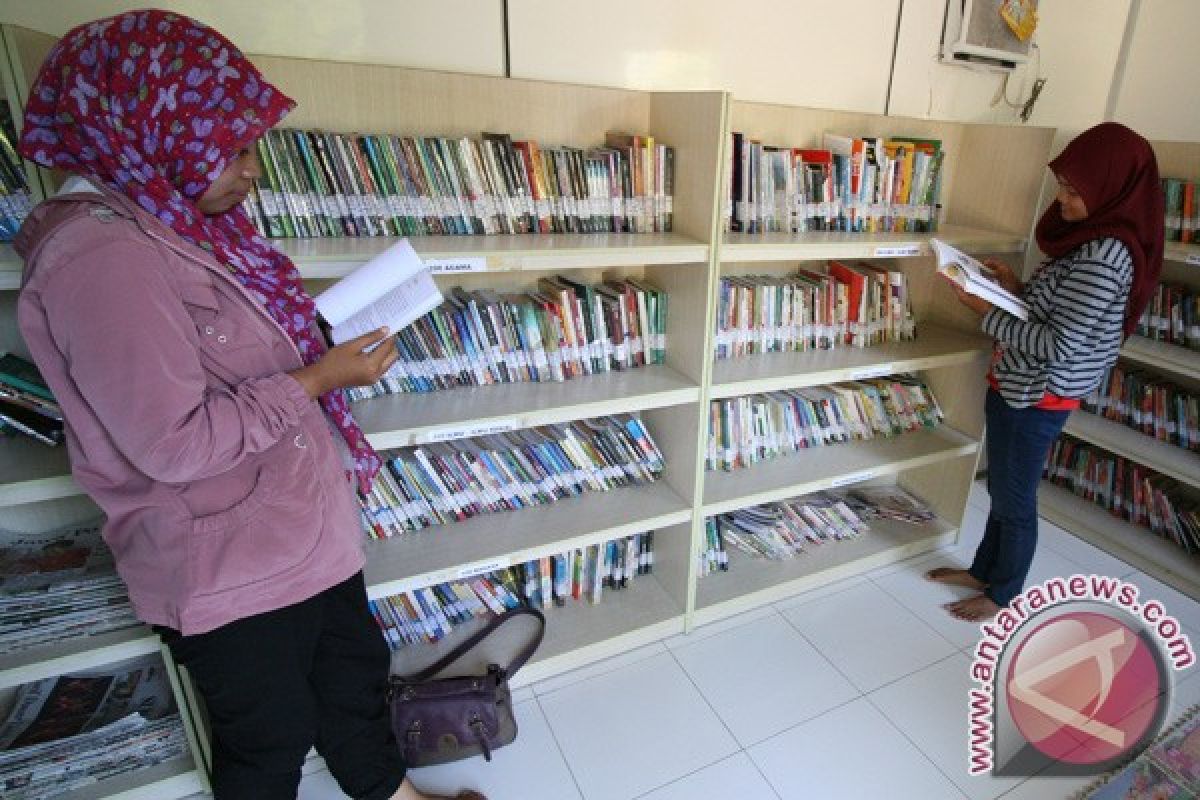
877,371
1194,259
467,431
855,477
481,567
898,252
453,265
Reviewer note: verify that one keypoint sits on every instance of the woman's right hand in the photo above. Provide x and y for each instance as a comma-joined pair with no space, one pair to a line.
1004,275
349,364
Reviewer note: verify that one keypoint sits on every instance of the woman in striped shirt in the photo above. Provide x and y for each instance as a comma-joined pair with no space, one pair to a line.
1103,236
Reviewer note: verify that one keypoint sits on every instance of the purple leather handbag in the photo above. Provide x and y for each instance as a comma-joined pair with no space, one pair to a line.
437,720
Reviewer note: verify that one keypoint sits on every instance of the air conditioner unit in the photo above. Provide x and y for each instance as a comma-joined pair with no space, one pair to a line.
976,35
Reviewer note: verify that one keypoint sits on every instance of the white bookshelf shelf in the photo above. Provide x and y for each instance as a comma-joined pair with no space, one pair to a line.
742,247
326,258
10,267
1160,355
1176,462
31,471
1182,253
400,420
934,347
493,541
72,655
1157,557
752,582
174,779
830,467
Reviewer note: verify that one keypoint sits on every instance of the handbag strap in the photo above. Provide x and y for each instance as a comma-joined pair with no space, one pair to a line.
458,652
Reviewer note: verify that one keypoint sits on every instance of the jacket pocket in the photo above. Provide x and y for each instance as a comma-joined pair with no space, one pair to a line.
219,328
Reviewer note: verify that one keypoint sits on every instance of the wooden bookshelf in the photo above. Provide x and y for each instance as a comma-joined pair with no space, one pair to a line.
1176,462
834,244
1162,356
31,472
73,655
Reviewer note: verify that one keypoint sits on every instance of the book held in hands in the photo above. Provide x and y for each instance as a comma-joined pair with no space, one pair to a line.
975,278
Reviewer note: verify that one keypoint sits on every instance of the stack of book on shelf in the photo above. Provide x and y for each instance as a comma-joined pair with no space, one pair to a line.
1127,489
1183,213
26,404
1155,407
452,481
72,731
858,305
15,199
563,330
746,430
1173,316
860,185
317,184
432,613
787,528
57,585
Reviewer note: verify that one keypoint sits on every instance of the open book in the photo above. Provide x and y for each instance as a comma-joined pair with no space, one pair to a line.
394,289
976,279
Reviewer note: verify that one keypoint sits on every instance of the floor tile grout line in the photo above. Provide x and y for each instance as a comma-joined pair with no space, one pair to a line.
594,665
558,746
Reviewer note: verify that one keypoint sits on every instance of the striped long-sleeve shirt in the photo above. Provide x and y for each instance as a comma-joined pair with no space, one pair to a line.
1076,312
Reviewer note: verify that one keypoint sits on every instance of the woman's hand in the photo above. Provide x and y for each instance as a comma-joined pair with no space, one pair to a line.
973,302
1005,276
348,364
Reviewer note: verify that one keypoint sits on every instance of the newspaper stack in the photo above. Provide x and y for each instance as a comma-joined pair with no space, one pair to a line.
58,585
75,730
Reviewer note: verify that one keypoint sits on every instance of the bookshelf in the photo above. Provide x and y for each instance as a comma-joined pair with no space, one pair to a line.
990,185
1156,557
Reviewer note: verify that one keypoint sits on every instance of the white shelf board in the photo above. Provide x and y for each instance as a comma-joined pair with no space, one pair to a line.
1182,253
11,266
174,779
934,347
31,471
400,420
325,258
577,634
492,541
829,467
742,247
1154,555
1176,462
1171,357
73,655
751,582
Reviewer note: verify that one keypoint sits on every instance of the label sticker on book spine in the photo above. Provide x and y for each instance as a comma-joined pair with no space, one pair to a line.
898,252
481,567
454,265
1194,259
856,477
877,371
468,431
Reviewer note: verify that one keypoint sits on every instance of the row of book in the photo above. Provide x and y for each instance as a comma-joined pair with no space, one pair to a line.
563,330
743,431
860,185
787,528
858,305
452,481
56,585
27,407
319,184
73,731
1146,403
1182,211
1172,316
432,613
15,199
1127,489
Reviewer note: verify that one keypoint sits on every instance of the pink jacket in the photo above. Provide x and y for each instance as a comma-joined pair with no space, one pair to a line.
222,482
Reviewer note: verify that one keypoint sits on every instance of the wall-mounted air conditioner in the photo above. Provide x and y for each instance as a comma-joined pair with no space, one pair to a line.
976,35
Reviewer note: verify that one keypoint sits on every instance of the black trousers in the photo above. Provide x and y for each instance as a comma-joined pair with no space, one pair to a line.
275,684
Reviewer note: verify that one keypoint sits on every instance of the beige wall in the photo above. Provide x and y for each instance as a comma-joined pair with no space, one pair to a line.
1160,94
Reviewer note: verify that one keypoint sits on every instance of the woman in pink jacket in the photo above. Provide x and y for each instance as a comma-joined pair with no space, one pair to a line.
204,411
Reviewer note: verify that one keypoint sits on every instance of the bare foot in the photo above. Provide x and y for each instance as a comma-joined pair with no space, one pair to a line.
409,792
954,577
974,609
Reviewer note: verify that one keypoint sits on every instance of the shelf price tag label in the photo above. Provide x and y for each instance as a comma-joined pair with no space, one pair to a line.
854,477
898,252
442,266
467,431
1194,259
482,567
877,371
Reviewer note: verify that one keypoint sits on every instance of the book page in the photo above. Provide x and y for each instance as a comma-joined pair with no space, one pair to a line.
398,308
975,278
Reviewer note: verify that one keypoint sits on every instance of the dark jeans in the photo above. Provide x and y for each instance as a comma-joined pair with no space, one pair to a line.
275,684
1018,440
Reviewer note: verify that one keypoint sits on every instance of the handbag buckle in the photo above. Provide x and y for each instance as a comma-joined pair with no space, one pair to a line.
477,725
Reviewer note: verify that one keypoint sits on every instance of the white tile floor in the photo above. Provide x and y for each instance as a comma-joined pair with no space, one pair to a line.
849,713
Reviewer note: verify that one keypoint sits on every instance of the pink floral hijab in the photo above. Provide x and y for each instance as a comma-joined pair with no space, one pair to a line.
153,105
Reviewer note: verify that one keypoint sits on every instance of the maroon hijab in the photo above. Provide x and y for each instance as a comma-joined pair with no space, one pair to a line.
1115,172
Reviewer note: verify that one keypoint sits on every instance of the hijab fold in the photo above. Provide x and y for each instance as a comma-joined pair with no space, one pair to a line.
154,105
1115,172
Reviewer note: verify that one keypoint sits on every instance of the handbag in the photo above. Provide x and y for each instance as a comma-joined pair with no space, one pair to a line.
436,720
